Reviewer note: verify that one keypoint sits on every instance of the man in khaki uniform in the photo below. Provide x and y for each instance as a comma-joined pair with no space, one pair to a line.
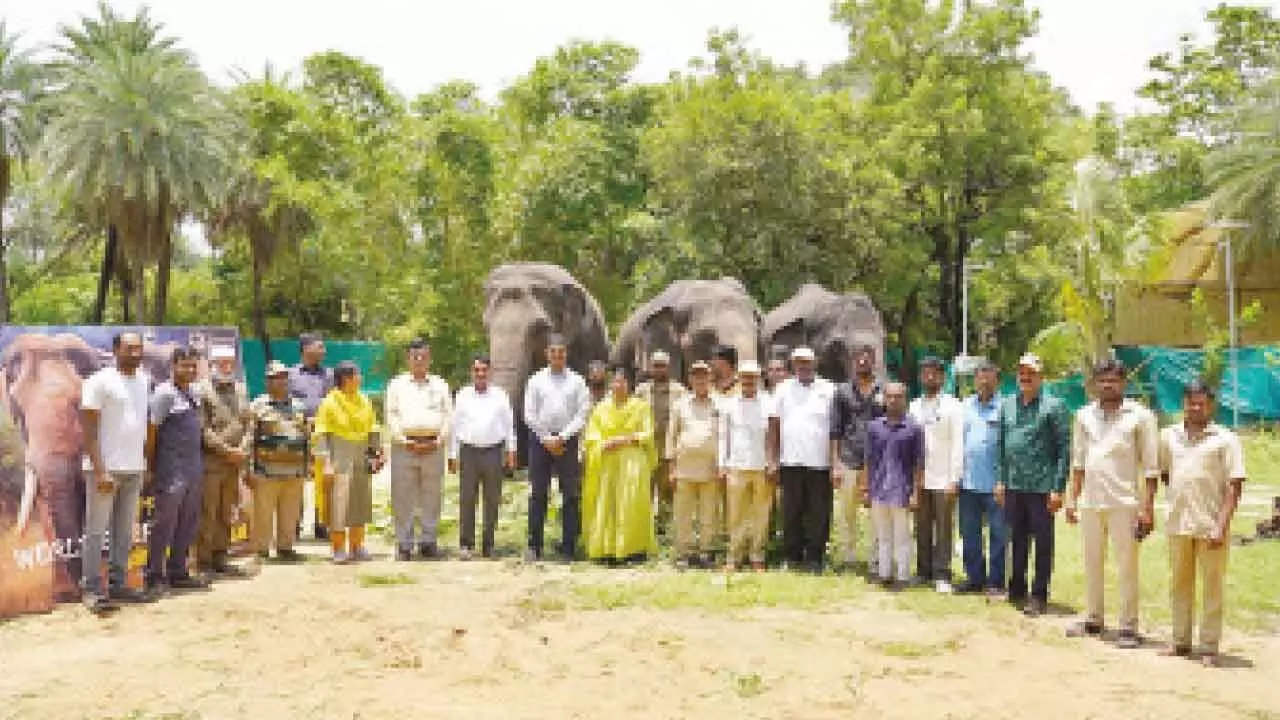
663,394
281,461
224,402
1113,450
1202,464
743,466
691,444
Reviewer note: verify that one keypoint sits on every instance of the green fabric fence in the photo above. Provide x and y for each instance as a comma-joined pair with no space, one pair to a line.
370,356
1161,373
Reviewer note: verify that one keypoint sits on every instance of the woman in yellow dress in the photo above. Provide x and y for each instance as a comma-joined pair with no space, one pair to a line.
619,459
347,432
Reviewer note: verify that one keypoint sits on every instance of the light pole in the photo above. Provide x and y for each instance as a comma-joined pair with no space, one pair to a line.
964,305
1224,244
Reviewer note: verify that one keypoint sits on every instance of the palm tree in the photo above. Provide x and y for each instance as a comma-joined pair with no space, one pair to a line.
139,136
21,83
1244,176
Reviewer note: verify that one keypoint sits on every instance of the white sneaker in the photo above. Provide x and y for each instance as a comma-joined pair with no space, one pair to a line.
341,557
943,587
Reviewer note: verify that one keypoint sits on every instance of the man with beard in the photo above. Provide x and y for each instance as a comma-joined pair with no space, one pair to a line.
724,372
941,418
114,417
597,381
662,394
977,488
857,403
174,440
227,440
892,476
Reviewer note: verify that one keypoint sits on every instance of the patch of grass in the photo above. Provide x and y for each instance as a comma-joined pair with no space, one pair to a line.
748,685
385,579
914,650
666,589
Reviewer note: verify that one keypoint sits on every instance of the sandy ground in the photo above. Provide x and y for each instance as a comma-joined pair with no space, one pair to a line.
498,640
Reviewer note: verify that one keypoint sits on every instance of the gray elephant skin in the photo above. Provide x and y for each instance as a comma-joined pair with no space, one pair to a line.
832,324
688,320
525,303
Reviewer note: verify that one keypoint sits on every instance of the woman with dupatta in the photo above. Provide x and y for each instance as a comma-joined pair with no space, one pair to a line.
620,456
346,428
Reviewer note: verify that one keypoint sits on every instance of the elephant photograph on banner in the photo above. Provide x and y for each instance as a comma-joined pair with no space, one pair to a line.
42,480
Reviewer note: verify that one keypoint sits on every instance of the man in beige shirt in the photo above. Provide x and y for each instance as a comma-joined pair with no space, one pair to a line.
1113,452
663,394
1202,464
692,445
418,408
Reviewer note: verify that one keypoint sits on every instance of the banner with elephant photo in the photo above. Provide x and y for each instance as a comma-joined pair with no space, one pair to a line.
42,482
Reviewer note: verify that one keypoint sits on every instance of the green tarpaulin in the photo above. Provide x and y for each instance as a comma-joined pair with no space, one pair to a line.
370,356
1161,374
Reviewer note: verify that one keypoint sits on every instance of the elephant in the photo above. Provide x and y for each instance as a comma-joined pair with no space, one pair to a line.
42,378
831,325
688,320
526,303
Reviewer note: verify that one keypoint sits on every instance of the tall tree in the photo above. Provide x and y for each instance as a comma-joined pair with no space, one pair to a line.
1244,176
140,135
21,84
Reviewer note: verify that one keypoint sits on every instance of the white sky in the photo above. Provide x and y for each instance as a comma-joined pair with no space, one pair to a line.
1097,49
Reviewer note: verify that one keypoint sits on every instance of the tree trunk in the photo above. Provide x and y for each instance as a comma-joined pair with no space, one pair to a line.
138,271
162,277
905,337
104,277
259,313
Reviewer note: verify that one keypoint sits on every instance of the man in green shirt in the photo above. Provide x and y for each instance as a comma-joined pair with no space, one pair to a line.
1035,443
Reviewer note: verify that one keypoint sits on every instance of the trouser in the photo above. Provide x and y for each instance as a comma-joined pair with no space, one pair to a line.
173,528
893,541
415,493
663,492
115,513
848,508
276,501
315,503
974,506
750,498
935,530
220,496
1186,554
1029,519
696,499
566,467
481,474
806,513
1096,526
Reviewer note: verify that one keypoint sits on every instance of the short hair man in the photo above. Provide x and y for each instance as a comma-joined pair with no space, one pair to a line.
662,393
941,419
224,402
983,571
418,408
857,402
724,371
1113,452
892,478
310,382
481,445
1202,465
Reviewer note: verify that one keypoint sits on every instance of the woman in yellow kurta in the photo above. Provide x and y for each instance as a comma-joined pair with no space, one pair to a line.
348,443
619,458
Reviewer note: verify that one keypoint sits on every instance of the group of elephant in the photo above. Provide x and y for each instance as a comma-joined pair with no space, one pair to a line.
525,303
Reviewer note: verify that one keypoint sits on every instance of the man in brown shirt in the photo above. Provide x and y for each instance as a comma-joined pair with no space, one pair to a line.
662,393
228,438
1202,464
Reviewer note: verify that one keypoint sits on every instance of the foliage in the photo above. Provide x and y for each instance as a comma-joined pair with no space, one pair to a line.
1217,337
1245,176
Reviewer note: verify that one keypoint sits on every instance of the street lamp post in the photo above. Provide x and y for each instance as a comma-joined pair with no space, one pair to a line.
964,305
1224,244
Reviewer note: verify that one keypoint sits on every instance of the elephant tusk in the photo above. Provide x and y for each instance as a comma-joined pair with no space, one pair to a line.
28,499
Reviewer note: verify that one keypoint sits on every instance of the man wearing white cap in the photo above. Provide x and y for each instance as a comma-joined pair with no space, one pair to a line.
743,463
662,393
228,438
803,408
1035,454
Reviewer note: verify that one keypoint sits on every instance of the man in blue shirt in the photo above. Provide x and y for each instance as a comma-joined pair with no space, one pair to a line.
977,486
892,478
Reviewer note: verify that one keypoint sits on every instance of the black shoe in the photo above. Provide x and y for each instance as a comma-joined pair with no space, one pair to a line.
322,532
970,589
1128,640
130,596
99,605
288,556
1085,629
187,582
219,564
1036,608
403,555
486,552
429,550
263,555
1019,602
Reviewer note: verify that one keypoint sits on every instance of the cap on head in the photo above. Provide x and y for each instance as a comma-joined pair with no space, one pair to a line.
222,352
275,368
700,366
660,357
749,367
931,361
1031,361
803,353
557,340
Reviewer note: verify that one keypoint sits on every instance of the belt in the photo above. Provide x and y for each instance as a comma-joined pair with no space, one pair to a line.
494,446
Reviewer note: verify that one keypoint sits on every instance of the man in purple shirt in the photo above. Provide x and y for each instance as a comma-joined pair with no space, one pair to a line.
310,382
892,476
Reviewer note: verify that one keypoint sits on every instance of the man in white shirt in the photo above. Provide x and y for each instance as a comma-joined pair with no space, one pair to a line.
418,411
556,405
1114,449
802,428
742,458
941,417
114,418
692,446
483,427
